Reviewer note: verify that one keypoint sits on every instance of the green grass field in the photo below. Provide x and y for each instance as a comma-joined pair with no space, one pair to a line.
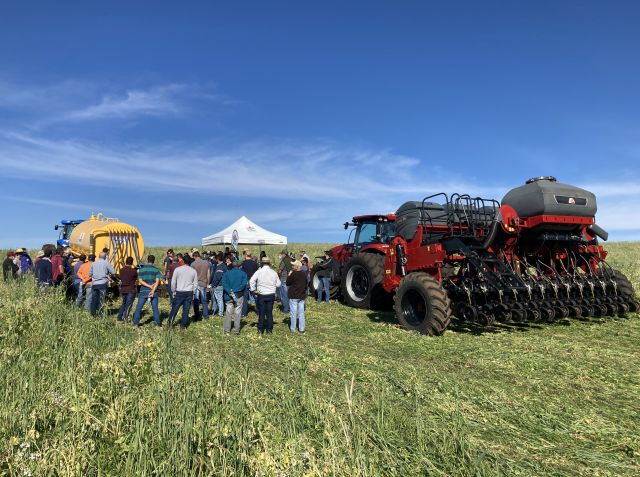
355,396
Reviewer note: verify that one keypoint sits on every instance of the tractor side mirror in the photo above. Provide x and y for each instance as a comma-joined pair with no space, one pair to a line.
346,225
56,227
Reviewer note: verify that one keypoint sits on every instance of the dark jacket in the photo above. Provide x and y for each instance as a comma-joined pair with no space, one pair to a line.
9,269
328,268
297,285
250,266
216,278
43,272
235,280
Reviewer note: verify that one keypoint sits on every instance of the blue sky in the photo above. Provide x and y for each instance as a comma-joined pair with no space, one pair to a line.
182,117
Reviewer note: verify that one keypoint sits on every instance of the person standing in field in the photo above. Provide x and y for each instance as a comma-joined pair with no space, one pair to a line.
128,280
77,281
9,267
204,279
25,263
250,266
149,280
264,284
234,283
306,268
83,274
184,284
325,274
283,271
99,272
216,284
43,271
57,266
175,263
297,289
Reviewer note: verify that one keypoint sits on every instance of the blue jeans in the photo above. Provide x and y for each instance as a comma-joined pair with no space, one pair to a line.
265,313
218,302
284,297
200,297
324,285
248,297
296,314
182,299
125,308
97,298
87,297
142,299
80,289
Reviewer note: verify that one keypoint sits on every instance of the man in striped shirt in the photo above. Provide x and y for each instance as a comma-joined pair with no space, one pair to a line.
149,280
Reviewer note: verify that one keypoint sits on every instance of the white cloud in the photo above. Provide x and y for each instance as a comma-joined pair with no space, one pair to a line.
158,101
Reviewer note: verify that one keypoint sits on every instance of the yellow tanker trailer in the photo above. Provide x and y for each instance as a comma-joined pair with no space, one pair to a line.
99,232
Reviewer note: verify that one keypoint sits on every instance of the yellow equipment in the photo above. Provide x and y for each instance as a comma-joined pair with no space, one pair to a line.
99,232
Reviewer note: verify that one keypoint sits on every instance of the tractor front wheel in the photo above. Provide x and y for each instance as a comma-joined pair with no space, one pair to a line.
361,285
421,304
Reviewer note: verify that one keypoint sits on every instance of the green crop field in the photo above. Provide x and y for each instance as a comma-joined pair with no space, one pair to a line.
354,396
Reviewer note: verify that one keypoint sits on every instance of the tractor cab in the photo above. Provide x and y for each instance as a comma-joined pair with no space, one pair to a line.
66,227
371,231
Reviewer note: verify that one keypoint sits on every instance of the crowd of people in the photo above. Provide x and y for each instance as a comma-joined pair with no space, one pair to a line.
209,283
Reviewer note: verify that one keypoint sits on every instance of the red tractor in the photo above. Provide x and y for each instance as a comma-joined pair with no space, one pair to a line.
361,261
535,257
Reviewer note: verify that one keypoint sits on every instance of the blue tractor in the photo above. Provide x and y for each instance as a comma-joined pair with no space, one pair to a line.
67,227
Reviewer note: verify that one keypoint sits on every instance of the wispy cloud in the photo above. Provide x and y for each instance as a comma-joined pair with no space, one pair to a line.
157,101
79,102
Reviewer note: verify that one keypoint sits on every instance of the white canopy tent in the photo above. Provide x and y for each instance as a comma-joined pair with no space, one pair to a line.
248,234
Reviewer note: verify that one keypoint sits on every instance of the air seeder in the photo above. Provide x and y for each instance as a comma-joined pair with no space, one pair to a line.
533,257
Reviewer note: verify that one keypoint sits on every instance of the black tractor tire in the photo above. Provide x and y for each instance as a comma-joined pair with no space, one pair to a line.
421,304
334,289
361,285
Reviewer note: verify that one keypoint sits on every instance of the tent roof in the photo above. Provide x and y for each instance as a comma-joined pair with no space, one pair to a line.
248,234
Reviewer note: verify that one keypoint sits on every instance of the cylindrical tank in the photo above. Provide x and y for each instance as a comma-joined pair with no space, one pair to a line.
99,232
546,196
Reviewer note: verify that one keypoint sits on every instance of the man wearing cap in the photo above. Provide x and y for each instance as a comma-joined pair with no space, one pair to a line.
325,271
43,271
26,265
297,290
263,284
234,283
283,271
9,267
99,272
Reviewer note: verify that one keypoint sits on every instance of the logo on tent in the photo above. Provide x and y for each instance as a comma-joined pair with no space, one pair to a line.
251,228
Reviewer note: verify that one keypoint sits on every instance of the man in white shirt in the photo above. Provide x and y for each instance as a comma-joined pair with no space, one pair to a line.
184,284
263,284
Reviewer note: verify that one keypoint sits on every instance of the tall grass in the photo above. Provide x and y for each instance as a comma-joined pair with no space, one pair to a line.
354,396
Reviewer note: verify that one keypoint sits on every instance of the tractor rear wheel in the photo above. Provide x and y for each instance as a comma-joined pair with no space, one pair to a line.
361,285
421,304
